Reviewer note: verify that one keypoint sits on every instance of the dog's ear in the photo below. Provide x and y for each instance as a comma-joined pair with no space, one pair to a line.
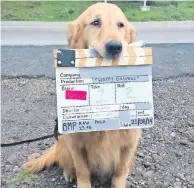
130,34
76,35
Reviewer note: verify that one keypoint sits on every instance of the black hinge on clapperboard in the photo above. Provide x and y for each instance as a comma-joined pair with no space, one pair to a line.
65,58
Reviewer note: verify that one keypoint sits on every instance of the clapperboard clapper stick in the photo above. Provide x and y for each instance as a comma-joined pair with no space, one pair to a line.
100,94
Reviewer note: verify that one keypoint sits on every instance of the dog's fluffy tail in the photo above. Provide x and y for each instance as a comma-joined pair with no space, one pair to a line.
44,161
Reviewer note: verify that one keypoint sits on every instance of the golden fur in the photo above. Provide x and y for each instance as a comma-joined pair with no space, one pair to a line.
82,154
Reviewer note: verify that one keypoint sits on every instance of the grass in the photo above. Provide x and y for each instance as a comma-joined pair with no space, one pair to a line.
68,11
23,175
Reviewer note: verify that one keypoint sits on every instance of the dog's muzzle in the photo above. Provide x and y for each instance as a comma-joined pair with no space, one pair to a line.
113,48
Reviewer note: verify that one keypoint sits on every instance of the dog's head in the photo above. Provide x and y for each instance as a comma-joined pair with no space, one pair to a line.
104,27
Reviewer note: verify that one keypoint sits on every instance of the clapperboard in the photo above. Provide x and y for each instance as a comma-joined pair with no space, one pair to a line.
98,94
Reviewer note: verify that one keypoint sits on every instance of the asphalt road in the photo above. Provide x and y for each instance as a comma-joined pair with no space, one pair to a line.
170,60
49,33
165,157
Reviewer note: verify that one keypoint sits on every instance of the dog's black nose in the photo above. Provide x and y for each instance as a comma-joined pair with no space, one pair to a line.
113,47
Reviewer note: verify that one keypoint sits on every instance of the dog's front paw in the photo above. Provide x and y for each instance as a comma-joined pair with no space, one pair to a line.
69,175
119,182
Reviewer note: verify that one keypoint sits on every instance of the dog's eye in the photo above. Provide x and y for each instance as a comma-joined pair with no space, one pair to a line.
121,24
96,23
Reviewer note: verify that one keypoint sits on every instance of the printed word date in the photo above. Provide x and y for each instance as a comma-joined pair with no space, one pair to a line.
138,122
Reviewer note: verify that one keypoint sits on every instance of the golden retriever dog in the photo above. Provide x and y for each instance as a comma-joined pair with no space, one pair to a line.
104,27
